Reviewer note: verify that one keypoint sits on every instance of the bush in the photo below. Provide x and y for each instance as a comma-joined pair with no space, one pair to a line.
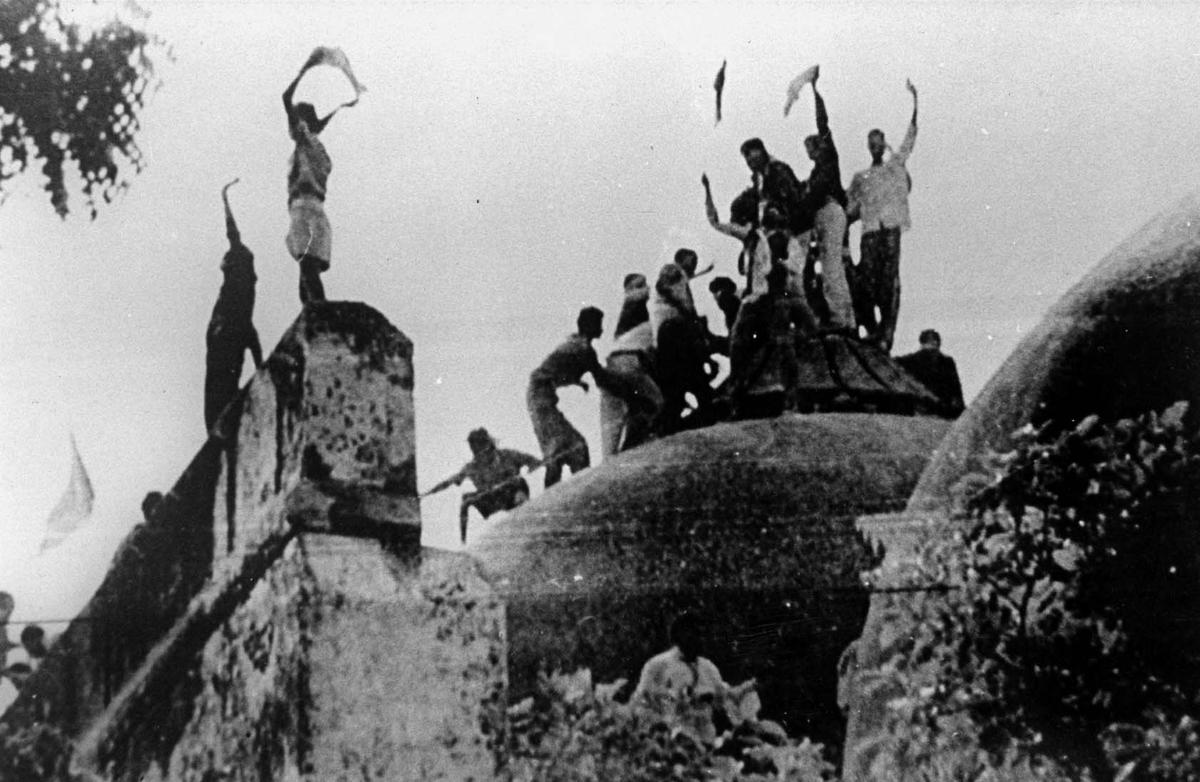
38,753
1047,645
574,731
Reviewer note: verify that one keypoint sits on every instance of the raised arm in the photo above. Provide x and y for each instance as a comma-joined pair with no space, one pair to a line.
819,102
290,92
910,138
231,229
288,106
739,232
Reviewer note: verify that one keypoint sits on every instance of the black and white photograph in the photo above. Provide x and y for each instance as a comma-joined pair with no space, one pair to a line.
599,391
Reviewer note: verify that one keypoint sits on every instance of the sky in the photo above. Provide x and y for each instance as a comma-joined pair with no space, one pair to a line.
509,164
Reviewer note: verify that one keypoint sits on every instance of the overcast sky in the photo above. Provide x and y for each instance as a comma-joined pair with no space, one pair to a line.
511,163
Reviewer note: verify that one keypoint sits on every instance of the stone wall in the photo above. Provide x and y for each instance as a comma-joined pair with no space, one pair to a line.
276,618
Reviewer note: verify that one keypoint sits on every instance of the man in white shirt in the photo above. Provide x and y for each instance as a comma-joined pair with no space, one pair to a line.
688,687
681,670
879,197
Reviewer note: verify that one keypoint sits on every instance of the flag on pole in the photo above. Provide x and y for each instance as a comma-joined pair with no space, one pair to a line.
75,506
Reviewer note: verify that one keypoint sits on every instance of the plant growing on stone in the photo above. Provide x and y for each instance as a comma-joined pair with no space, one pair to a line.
574,731
38,753
1066,619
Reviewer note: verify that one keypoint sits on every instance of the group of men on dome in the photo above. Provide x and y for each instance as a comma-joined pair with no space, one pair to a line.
800,283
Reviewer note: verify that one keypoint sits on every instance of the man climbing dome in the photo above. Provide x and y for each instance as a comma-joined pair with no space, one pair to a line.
628,419
231,329
824,203
310,237
936,371
496,475
879,197
562,444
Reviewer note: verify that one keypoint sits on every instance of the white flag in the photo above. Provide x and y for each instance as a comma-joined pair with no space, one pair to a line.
335,57
75,506
793,90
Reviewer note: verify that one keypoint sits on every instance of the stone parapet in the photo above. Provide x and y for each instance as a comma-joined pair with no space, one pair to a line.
276,616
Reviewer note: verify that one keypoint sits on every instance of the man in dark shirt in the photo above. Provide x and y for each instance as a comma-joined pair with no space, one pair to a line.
496,474
776,184
231,328
724,292
562,444
823,204
762,353
936,371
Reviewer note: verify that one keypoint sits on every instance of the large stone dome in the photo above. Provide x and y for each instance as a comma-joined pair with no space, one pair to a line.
1123,341
750,524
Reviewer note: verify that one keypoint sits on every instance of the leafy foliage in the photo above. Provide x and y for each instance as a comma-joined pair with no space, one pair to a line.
71,94
574,731
39,753
1052,643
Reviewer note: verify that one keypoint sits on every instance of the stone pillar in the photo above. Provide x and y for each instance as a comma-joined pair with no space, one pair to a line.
323,643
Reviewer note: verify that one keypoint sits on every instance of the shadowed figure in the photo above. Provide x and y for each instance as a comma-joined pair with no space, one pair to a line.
230,329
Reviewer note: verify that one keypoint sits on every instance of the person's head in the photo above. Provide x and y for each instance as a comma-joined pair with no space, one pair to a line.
687,259
930,340
33,638
7,604
812,146
777,278
685,634
876,144
150,504
722,287
307,113
636,287
480,441
590,322
755,154
744,209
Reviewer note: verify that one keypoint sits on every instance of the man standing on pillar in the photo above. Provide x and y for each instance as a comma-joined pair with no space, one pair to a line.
310,237
231,329
825,199
562,444
879,197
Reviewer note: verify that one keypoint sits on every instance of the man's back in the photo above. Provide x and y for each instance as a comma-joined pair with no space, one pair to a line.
565,365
